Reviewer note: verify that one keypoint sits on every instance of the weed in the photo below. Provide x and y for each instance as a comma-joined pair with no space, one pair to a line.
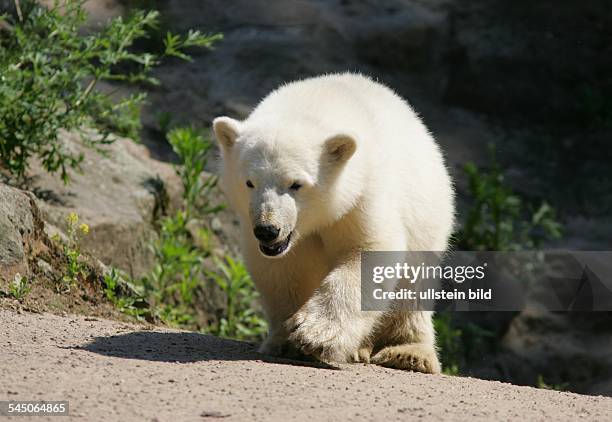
240,320
449,342
71,247
498,220
164,121
557,387
193,149
124,296
19,287
182,252
171,286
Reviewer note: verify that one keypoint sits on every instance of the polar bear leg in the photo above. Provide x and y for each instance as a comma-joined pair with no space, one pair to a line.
330,326
406,340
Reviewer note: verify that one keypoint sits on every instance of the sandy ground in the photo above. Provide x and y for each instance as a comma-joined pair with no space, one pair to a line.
115,371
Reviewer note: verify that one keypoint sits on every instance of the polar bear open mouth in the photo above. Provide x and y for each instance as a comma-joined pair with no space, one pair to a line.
276,248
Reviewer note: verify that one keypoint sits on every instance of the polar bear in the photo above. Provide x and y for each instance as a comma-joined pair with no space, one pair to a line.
322,169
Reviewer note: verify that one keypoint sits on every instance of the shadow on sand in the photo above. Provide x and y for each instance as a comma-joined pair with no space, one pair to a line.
183,348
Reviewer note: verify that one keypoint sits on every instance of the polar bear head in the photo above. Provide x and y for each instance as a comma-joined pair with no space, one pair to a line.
286,179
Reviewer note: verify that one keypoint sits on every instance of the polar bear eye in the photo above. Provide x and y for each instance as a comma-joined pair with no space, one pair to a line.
250,184
295,186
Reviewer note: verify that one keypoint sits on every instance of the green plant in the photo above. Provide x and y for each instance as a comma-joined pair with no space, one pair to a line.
498,220
49,71
183,256
193,149
240,320
449,342
124,296
557,387
164,121
183,243
170,287
19,287
460,343
71,248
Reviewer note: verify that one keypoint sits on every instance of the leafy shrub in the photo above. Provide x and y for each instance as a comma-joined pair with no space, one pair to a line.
184,261
241,321
49,75
448,339
460,343
193,149
179,257
124,296
498,219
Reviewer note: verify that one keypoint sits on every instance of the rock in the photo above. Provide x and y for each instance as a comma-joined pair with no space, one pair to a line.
536,63
406,39
100,11
45,267
21,231
571,348
267,43
119,195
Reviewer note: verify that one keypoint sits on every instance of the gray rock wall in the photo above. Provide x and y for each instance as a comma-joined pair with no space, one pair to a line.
21,231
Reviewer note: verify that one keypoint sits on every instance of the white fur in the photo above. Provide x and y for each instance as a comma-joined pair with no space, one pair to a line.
372,178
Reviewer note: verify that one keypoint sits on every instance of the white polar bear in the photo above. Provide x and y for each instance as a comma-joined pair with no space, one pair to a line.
323,169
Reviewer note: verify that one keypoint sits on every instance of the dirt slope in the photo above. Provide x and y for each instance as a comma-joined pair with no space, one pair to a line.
115,371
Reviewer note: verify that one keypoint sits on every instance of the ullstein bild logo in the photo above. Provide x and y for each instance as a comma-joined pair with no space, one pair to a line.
487,281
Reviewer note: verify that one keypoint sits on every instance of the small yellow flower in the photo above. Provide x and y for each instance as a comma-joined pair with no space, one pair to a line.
72,218
84,228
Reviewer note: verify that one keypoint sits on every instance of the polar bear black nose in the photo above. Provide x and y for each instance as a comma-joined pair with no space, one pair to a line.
266,233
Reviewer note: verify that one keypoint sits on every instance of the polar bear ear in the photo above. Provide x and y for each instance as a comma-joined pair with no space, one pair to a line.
226,130
339,148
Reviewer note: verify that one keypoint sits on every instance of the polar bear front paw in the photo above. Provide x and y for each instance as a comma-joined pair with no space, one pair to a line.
317,337
413,357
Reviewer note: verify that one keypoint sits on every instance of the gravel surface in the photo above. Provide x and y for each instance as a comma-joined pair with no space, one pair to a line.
116,371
